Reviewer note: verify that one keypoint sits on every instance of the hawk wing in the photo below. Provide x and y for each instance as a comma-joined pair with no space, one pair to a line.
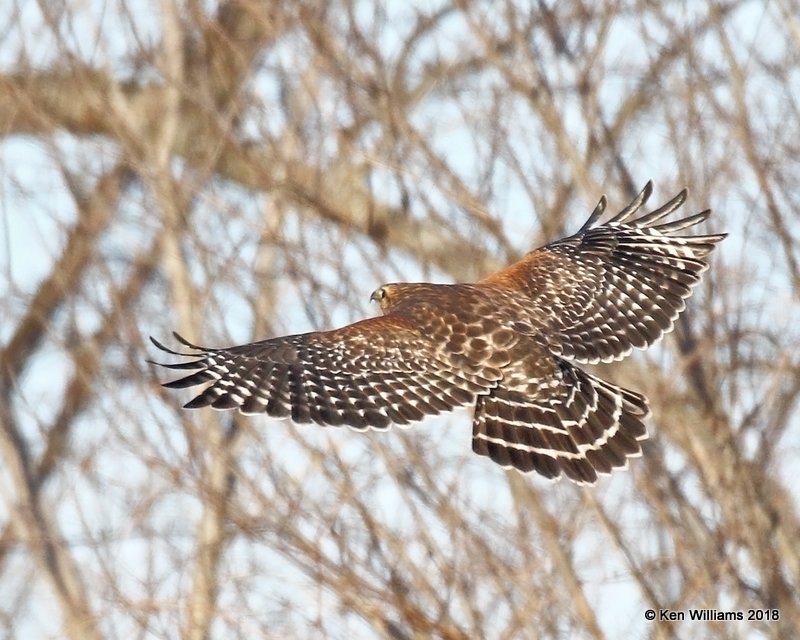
608,288
371,373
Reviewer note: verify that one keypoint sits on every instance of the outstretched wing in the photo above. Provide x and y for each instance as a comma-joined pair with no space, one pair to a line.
608,288
368,374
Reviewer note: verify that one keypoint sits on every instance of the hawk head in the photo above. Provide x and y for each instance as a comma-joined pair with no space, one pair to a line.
391,296
384,296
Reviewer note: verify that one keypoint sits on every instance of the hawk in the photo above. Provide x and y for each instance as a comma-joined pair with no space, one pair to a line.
506,345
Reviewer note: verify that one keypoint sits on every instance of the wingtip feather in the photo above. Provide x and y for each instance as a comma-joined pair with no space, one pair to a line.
598,211
637,203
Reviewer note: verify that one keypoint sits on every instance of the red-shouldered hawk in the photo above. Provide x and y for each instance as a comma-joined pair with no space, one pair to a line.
504,345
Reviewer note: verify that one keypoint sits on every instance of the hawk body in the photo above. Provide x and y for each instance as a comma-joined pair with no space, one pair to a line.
504,345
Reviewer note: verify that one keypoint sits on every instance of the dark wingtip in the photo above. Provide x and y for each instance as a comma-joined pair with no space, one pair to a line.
197,403
598,211
185,342
637,203
194,364
644,194
159,345
180,339
192,380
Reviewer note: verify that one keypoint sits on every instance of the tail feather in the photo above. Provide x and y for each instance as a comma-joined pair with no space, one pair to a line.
592,427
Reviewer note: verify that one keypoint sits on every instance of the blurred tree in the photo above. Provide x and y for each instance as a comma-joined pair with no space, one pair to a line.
256,168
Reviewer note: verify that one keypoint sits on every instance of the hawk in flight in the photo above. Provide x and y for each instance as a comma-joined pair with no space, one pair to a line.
506,345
